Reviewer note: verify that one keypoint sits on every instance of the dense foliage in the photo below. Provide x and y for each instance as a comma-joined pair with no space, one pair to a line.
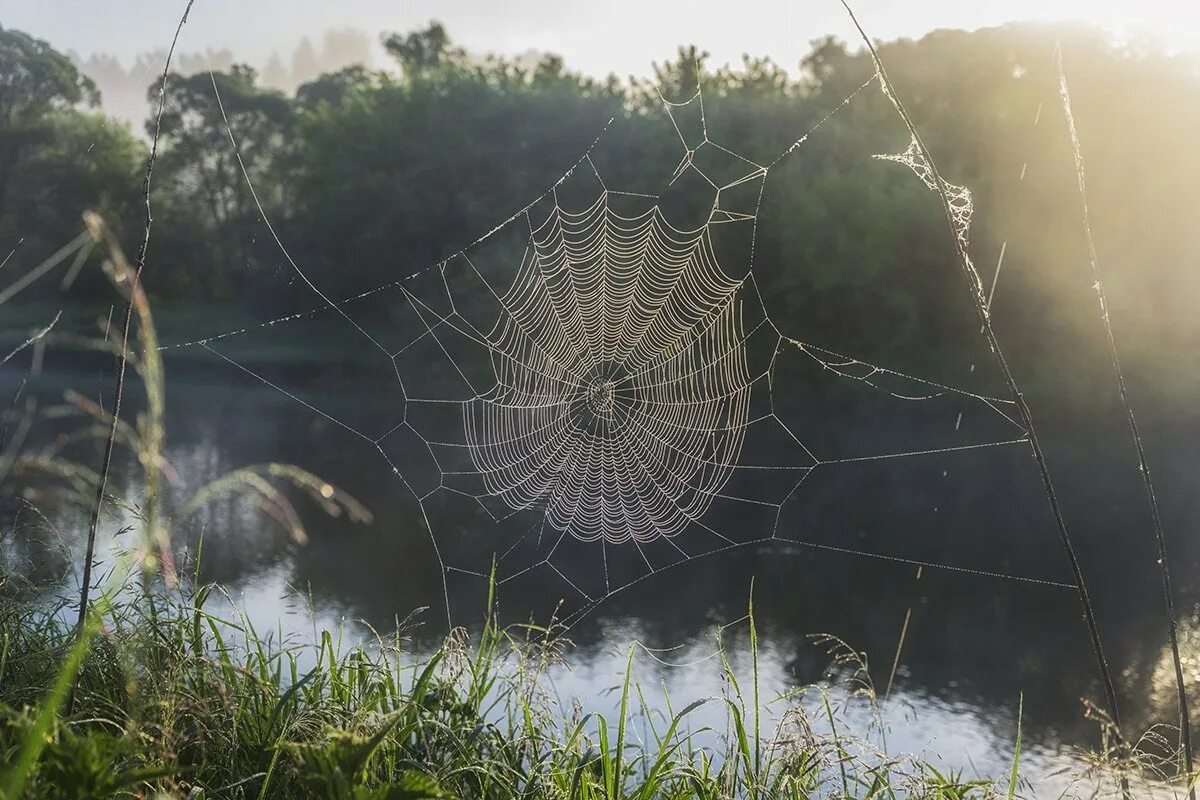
367,175
58,155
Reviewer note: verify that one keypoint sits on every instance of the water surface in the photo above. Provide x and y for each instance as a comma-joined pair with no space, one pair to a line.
966,638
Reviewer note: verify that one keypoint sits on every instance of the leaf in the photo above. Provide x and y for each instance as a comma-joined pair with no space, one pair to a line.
412,785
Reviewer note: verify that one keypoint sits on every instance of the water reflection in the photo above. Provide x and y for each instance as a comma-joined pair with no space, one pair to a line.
972,645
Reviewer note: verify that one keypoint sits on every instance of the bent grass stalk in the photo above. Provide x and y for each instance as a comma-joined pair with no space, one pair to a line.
145,439
123,360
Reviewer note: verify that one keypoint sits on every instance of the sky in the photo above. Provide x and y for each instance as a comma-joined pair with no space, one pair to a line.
596,36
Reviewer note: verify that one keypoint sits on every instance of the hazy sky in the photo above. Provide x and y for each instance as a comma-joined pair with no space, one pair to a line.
597,36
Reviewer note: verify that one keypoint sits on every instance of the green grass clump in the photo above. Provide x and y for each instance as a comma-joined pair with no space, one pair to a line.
172,700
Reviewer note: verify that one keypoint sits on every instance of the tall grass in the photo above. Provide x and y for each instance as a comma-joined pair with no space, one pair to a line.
191,701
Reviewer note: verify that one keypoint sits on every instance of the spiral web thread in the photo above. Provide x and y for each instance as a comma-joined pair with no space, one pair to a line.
615,381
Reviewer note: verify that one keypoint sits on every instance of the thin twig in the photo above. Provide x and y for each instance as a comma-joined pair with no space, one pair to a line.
123,358
1185,723
32,339
1023,410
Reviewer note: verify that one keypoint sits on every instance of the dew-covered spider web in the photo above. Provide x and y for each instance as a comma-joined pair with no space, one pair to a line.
594,391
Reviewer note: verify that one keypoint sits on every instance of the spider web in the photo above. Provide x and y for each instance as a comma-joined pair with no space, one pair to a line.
588,393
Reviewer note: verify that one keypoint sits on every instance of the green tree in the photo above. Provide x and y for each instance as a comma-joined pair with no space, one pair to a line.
333,87
35,79
404,171
423,51
87,161
205,193
56,158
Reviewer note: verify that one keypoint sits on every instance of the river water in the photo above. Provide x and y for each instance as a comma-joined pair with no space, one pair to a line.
943,569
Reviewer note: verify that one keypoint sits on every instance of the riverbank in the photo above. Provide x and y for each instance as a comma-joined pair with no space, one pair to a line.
172,700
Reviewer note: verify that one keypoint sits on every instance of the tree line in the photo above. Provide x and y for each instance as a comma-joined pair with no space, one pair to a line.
368,173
